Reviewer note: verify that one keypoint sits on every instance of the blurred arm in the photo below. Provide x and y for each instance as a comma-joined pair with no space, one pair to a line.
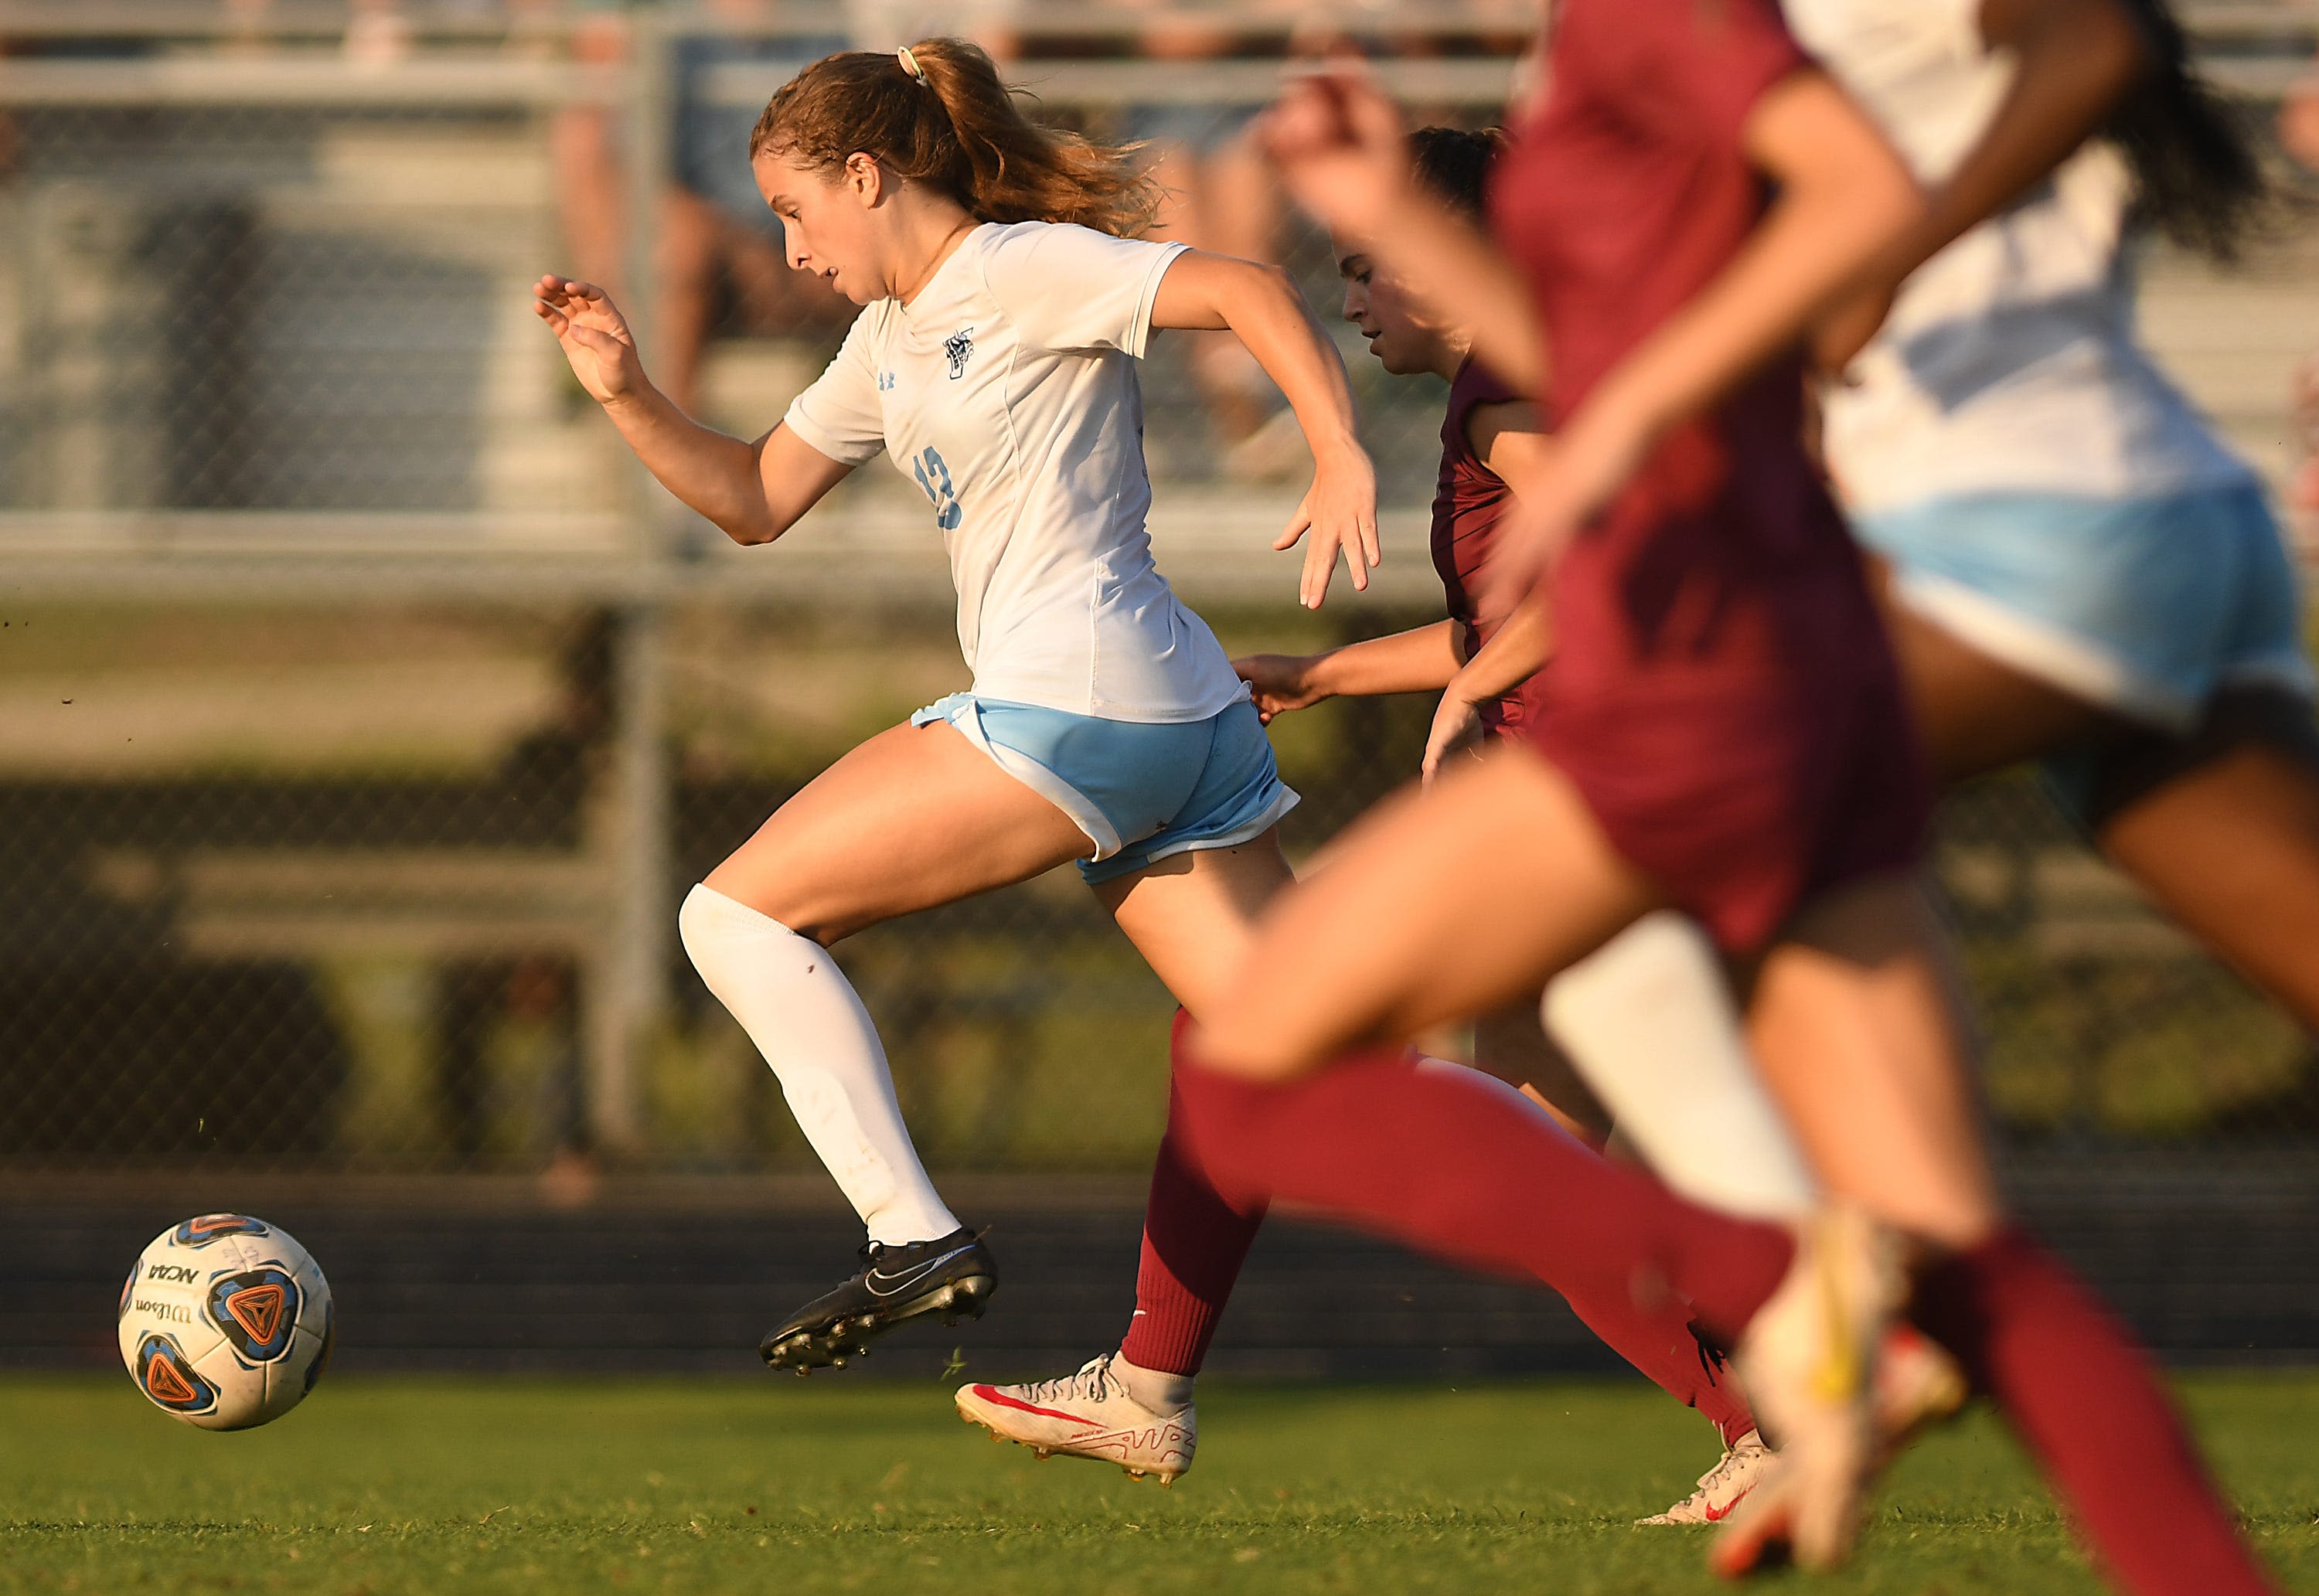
2073,61
1338,143
1843,200
1516,651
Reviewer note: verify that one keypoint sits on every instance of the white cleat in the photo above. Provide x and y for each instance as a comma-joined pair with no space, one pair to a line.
1744,1465
1809,1360
1088,1414
1918,1386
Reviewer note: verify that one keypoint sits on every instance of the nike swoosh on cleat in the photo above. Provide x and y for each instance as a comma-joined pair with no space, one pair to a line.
911,1277
1716,1515
991,1394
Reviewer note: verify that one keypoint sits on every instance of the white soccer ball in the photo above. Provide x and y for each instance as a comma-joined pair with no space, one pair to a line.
225,1321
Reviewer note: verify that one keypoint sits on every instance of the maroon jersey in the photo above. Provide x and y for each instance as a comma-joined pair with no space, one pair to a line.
1722,693
1468,501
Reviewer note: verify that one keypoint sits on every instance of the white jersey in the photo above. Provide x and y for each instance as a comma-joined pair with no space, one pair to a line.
2009,363
1006,391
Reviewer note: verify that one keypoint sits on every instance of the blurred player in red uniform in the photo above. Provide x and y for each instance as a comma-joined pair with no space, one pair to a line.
1722,728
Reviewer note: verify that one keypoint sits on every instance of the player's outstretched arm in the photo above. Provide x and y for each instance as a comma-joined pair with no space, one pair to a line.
1514,653
2073,60
1260,306
1423,658
754,492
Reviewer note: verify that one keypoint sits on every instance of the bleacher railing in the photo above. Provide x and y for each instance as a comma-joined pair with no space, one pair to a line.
364,711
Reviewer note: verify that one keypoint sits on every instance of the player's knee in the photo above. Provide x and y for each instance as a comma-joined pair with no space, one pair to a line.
1240,1043
765,880
710,913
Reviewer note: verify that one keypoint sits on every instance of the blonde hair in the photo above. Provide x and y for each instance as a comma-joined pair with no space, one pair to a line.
954,126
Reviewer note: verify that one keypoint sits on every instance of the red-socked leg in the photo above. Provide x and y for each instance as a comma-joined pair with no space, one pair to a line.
1195,1243
1460,1165
2086,1400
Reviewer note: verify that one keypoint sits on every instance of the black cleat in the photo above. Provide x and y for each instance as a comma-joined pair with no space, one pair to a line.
953,1276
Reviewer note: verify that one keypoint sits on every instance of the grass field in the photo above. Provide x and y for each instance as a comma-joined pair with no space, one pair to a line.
384,1486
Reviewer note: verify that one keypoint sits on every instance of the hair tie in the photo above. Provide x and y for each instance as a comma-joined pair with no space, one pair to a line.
910,66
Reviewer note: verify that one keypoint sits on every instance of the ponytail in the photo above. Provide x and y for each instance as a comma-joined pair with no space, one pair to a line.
937,114
2198,178
1453,166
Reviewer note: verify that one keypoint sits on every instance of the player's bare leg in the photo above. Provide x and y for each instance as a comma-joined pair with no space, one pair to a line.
1433,909
914,818
1856,1028
2232,850
1430,911
1192,915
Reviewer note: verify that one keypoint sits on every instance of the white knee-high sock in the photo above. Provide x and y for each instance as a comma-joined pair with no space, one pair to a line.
1649,1022
805,1017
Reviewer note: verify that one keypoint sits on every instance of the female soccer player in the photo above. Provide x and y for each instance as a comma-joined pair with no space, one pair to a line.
2076,568
1133,1407
1722,728
1005,304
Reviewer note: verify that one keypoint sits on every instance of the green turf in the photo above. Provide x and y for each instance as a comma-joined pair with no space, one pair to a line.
380,1486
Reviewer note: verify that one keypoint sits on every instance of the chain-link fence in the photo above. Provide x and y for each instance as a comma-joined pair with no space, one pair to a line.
363,715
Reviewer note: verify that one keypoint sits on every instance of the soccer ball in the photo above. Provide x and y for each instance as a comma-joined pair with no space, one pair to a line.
225,1321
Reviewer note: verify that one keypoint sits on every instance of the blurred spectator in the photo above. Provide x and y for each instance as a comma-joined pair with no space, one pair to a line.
2299,136
534,998
1221,196
887,24
717,250
378,32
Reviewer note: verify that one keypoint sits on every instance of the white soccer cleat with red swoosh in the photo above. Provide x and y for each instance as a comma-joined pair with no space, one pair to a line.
1744,1465
1087,1414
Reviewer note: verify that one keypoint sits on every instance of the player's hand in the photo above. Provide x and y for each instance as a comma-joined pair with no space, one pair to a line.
1341,151
1457,724
595,336
1279,682
1586,464
1340,512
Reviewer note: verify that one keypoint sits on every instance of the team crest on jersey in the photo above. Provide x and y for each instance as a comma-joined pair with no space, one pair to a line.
958,349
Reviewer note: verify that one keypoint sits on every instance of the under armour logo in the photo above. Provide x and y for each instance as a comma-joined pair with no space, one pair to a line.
958,349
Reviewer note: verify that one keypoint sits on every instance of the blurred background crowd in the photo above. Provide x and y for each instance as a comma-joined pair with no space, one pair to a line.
363,713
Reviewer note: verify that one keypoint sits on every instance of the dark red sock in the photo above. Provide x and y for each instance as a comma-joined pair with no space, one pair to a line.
1658,1342
1194,1245
1460,1165
2086,1400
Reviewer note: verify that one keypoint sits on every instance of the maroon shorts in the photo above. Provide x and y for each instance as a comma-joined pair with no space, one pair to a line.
1747,791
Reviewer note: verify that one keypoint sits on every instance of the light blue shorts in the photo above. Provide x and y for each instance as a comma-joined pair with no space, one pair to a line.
2145,606
1141,789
